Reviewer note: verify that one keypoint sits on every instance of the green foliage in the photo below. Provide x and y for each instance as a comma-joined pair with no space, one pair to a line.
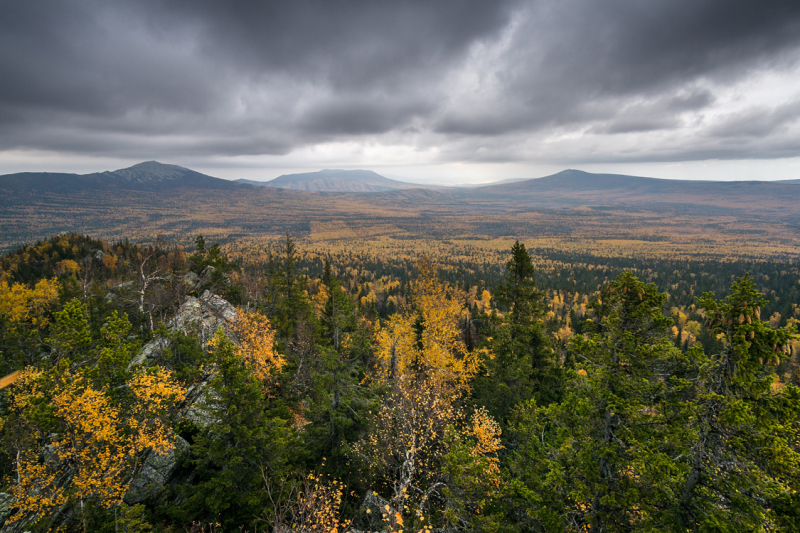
204,257
597,455
466,502
114,351
523,365
184,354
337,407
133,519
650,439
287,295
244,442
214,268
743,445
71,336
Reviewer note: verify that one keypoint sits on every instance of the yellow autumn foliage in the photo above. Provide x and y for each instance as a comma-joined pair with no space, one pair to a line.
257,345
97,442
487,433
313,506
437,350
18,303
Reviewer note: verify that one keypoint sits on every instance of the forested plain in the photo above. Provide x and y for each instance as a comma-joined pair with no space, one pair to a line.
341,380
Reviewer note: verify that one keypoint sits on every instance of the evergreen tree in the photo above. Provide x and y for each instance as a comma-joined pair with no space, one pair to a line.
599,460
742,453
523,365
339,315
291,306
244,442
338,405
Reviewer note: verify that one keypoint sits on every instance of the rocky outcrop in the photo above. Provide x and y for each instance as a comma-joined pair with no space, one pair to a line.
203,315
122,288
154,474
200,404
206,314
191,280
6,504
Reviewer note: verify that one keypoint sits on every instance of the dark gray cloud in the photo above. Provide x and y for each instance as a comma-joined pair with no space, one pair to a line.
574,80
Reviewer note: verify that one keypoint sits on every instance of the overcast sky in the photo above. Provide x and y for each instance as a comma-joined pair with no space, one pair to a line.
440,90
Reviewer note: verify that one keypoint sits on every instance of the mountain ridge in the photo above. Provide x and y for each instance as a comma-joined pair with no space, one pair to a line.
337,180
150,198
575,187
146,176
568,188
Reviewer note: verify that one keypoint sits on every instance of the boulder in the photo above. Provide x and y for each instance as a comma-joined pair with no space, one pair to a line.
191,280
207,273
154,474
113,294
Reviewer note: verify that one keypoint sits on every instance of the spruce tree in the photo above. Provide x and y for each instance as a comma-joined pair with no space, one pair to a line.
598,460
246,443
523,365
742,458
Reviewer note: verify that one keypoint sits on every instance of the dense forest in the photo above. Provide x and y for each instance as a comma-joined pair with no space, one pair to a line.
153,388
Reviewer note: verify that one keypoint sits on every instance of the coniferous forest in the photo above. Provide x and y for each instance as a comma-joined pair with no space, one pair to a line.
161,388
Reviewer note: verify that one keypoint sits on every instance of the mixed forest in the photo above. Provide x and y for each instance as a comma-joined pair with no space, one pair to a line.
274,386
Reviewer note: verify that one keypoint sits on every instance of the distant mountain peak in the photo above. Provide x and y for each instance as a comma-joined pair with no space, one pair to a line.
145,176
339,180
151,171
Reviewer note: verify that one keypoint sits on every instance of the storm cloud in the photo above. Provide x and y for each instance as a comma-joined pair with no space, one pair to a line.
574,81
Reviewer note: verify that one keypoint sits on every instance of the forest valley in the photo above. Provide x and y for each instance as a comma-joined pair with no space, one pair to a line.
146,388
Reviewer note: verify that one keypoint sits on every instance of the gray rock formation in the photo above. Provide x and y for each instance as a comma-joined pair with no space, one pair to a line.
200,404
6,503
191,280
208,313
115,292
207,273
154,474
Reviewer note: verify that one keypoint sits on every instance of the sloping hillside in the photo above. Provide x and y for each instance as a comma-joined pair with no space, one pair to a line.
147,176
337,181
575,187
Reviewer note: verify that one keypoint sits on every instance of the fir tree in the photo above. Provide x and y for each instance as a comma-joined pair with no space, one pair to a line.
523,365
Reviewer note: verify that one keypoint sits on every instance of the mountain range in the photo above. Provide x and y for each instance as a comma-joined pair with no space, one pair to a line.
152,198
569,187
575,187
